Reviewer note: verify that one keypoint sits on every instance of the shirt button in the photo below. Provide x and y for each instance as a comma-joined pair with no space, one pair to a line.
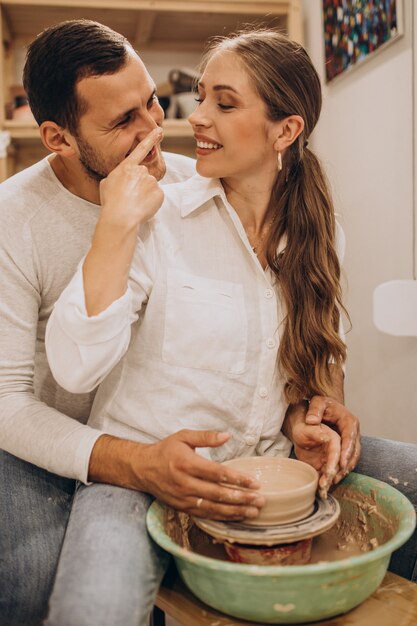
270,343
269,293
263,392
251,440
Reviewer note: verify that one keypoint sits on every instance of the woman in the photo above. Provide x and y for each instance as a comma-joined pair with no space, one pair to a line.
239,271
235,286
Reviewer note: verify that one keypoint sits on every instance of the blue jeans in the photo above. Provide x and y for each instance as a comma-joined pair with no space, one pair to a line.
34,509
387,460
110,569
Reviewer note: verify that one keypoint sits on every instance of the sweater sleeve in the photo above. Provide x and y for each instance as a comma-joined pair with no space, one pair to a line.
29,428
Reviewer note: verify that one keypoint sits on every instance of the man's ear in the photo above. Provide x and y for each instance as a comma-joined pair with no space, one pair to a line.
58,140
288,131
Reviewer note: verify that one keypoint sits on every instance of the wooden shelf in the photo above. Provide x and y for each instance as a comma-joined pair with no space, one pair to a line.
177,129
154,24
18,130
173,129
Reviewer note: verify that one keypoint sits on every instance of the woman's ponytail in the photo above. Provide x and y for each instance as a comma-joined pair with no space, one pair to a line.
308,274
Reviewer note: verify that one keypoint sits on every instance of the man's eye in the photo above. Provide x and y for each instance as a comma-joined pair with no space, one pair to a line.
152,101
225,107
124,121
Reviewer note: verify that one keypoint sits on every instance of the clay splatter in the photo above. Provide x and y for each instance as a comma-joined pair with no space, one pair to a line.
283,608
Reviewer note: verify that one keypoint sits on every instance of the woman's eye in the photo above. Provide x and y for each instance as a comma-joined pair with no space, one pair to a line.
223,107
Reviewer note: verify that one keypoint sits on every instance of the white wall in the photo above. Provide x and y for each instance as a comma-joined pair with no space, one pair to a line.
365,140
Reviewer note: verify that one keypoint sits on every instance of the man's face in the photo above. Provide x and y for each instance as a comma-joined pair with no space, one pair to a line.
122,109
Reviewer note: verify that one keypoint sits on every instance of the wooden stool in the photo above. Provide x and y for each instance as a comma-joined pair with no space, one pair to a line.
394,603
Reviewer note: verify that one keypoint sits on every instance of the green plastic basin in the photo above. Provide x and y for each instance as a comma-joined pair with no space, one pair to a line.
298,593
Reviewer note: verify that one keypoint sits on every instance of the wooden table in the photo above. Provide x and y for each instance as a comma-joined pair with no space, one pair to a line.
394,603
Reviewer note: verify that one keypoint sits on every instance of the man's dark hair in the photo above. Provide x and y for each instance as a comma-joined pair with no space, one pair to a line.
62,55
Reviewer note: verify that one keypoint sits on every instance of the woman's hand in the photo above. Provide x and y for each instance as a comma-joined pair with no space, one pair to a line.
130,196
319,446
326,435
325,410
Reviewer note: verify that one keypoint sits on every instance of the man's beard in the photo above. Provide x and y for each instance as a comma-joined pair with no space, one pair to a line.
92,162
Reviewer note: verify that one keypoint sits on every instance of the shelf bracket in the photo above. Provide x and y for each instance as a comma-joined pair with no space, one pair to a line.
144,28
4,143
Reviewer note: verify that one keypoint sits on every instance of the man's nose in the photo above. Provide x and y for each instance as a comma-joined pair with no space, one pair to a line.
149,119
146,124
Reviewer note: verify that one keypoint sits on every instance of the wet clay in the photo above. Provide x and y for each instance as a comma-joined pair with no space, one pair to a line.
362,527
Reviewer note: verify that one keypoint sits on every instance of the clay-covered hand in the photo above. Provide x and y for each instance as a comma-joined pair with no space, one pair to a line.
129,195
172,471
320,446
328,411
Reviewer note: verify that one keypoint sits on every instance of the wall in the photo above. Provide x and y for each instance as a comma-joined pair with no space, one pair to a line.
365,140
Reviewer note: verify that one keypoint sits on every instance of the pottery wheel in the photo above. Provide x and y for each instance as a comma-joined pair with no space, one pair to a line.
324,516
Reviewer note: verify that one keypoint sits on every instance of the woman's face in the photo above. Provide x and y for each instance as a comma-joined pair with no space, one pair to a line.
235,138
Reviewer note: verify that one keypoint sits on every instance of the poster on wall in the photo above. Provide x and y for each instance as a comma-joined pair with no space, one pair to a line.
355,30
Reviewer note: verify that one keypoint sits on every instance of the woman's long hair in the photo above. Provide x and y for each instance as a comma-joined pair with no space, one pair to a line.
308,270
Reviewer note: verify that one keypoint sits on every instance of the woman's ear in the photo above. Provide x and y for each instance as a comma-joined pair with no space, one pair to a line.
288,131
57,140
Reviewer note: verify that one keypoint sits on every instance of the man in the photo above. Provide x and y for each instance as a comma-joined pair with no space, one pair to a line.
48,214
97,109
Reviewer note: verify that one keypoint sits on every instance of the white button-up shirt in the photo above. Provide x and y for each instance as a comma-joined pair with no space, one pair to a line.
192,343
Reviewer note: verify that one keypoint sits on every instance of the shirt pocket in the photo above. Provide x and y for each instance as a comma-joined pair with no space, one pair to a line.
205,323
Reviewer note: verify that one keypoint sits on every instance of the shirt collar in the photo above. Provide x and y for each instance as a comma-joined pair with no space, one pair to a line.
196,191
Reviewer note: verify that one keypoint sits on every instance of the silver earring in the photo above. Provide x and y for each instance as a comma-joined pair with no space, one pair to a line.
279,161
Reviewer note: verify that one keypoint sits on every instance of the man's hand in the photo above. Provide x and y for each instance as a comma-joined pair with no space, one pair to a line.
329,411
172,471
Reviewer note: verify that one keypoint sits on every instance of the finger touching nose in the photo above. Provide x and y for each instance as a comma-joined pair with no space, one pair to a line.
145,146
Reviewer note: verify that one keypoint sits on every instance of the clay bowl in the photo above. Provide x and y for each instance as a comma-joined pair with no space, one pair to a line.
298,593
288,485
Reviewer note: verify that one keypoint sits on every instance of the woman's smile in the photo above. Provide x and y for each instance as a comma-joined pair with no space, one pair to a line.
206,145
